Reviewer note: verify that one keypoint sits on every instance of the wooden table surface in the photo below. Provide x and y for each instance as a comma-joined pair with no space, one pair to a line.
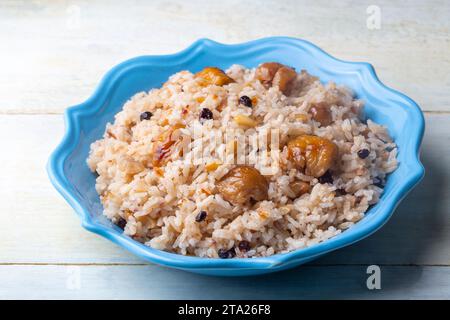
53,54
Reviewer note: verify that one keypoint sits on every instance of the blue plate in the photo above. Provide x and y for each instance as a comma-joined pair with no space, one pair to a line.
86,122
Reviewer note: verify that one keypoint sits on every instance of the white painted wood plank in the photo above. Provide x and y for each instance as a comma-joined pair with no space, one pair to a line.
39,227
54,53
152,282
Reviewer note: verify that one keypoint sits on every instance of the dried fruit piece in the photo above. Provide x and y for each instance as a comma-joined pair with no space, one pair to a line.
314,154
205,114
246,101
121,223
327,177
226,254
242,185
284,79
321,113
145,115
363,153
266,71
201,216
213,76
276,74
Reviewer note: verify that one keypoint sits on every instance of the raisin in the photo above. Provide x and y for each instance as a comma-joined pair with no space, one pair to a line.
363,153
206,114
121,223
246,101
201,216
146,115
226,254
326,178
244,245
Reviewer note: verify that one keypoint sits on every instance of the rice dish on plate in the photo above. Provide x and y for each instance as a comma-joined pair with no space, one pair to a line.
243,163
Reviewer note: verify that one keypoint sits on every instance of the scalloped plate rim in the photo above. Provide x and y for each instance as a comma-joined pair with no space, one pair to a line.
55,166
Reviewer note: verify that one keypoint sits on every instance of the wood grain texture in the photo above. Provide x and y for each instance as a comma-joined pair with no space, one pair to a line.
54,53
418,233
152,282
